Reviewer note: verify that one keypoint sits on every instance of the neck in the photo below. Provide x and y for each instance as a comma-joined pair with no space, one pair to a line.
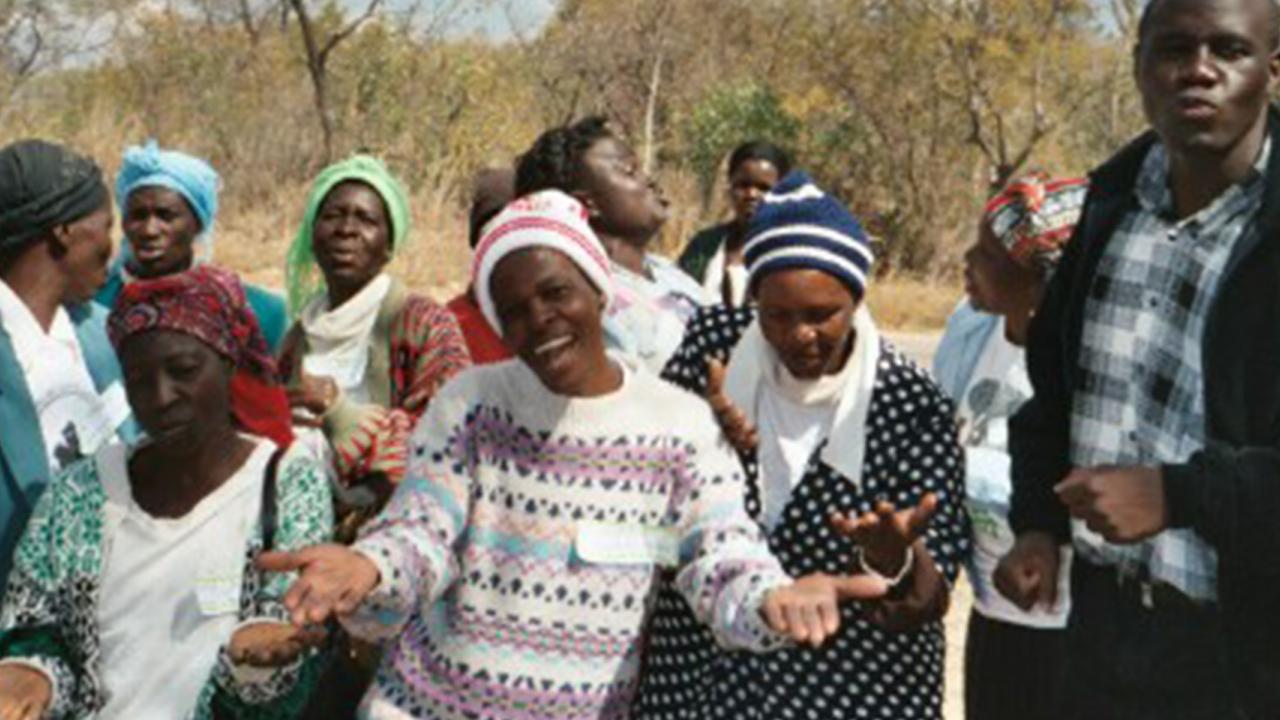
628,255
1015,327
170,484
736,238
1196,178
40,287
1017,322
605,380
340,294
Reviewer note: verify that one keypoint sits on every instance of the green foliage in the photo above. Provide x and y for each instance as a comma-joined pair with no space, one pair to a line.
728,117
905,109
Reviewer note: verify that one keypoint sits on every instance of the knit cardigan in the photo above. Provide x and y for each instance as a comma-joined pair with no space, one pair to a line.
415,348
520,557
49,618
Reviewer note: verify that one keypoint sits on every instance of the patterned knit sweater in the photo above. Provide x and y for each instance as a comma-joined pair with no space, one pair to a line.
520,556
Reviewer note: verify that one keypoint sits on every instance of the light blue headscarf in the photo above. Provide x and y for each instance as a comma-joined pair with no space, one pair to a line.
192,178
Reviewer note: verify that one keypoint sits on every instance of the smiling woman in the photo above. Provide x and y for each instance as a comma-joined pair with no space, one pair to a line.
513,573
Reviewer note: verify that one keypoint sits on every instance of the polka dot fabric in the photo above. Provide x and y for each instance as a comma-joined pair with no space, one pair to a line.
864,672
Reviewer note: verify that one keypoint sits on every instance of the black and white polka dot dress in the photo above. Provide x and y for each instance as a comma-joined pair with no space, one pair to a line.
864,672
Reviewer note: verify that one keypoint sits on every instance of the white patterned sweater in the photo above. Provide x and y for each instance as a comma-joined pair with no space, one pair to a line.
520,558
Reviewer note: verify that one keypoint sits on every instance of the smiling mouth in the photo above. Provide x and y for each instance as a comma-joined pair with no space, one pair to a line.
551,346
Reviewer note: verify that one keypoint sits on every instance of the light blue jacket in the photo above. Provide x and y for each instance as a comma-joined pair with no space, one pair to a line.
961,346
24,463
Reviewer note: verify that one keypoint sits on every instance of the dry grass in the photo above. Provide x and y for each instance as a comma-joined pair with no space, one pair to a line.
908,304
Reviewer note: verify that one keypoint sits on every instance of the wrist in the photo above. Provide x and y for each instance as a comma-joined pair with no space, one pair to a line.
892,572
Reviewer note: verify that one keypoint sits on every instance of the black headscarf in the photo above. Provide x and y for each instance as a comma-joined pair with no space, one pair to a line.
43,185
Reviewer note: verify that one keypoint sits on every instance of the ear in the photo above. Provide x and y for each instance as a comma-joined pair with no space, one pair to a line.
60,240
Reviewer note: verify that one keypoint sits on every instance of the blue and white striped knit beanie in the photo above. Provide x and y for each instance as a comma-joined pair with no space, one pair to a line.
798,226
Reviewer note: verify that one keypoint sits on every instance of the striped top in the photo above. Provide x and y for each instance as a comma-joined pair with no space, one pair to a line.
519,559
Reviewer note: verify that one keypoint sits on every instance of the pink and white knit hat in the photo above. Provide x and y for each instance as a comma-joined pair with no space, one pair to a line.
550,219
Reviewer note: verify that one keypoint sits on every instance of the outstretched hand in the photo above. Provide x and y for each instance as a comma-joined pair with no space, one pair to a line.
885,533
332,580
25,694
808,609
271,644
733,421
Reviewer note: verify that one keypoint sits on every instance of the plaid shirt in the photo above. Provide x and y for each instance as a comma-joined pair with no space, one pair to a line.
1141,396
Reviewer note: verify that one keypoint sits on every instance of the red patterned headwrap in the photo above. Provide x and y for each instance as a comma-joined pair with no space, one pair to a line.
1034,216
208,303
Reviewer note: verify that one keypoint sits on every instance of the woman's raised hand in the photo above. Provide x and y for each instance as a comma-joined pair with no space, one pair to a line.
808,610
313,393
25,693
332,580
733,421
271,644
885,534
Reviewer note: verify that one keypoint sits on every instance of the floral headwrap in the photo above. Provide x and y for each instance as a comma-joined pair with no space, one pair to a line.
1034,216
208,303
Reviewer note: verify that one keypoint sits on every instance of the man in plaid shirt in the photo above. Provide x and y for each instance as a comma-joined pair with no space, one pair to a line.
1153,441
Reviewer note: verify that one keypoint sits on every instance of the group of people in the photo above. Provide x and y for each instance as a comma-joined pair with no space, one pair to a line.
602,484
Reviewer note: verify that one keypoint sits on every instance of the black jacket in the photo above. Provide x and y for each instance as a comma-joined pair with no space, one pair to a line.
1229,492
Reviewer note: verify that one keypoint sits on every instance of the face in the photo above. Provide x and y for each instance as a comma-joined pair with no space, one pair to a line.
748,183
161,229
1205,69
624,201
178,387
87,251
351,237
551,319
994,282
807,317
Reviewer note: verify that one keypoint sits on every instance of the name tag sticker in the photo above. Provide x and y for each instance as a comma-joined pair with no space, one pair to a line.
218,595
627,544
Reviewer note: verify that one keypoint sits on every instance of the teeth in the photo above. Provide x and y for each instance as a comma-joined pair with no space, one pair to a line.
552,345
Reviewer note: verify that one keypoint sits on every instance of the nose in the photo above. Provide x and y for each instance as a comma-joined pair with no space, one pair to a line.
149,227
540,315
1199,67
804,333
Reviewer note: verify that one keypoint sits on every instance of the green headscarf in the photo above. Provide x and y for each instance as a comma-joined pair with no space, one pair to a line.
302,277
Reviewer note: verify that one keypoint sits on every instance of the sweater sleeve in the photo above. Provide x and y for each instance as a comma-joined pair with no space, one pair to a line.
427,350
412,542
33,613
1228,495
726,566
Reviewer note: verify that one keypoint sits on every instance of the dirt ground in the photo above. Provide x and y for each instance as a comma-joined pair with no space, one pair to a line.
921,346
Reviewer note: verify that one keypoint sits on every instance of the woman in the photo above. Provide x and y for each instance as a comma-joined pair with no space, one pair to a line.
655,299
514,569
168,204
714,256
836,422
60,391
365,355
1012,657
143,555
